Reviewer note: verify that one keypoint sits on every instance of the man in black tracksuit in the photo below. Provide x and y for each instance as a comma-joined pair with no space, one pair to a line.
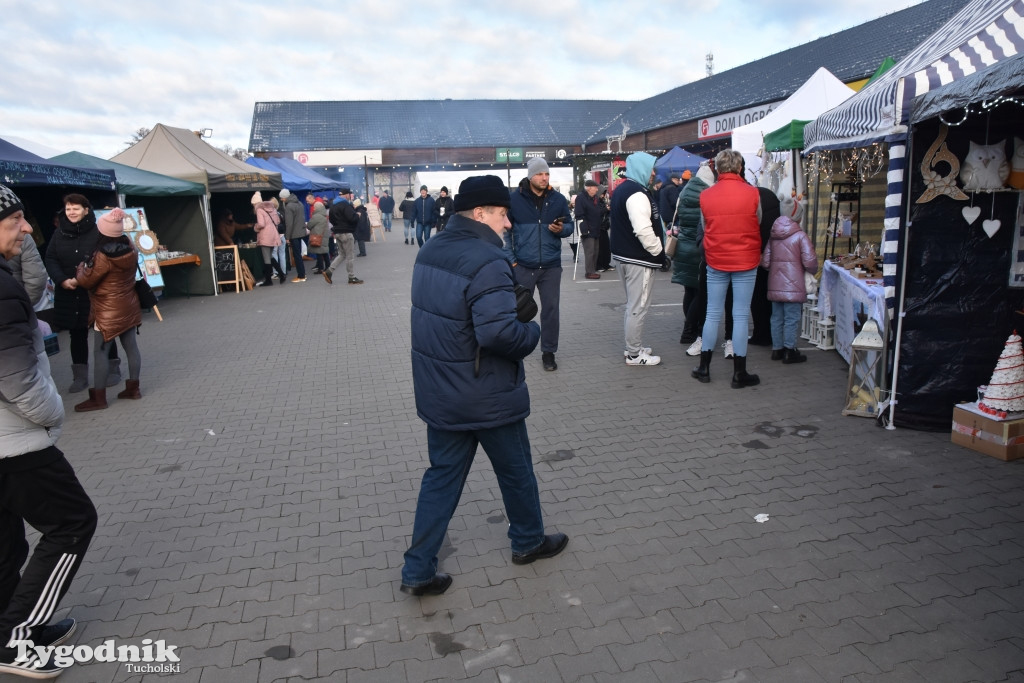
37,484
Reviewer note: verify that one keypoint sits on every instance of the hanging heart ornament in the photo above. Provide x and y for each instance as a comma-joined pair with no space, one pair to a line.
971,213
991,227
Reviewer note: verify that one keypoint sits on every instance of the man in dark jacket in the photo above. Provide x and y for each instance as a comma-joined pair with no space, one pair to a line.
423,215
668,197
344,221
468,345
540,219
387,207
37,484
294,230
443,209
589,213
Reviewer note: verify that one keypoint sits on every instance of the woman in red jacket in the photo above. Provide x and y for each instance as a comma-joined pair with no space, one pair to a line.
731,216
109,276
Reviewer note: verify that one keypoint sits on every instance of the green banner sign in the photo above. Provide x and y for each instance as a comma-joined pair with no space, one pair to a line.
512,155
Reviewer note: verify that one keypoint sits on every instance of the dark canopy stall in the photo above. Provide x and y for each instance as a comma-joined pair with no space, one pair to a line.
19,167
174,208
41,185
957,306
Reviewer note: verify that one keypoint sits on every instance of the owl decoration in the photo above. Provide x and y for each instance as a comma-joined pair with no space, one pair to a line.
985,167
1017,165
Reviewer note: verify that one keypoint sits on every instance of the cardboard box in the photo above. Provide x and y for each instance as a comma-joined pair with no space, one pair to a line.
1003,439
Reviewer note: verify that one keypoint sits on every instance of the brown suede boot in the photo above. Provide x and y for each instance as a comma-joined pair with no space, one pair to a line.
131,389
97,401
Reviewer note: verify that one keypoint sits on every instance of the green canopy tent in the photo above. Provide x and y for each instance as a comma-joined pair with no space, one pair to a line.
174,209
790,136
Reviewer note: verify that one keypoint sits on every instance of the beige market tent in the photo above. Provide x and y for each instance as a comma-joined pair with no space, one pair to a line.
180,153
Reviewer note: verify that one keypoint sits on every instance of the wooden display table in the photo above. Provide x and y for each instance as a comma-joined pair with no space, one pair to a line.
182,261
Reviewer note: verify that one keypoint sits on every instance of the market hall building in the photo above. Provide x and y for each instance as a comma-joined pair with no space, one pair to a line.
381,145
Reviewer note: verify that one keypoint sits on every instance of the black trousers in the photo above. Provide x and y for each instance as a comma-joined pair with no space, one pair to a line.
51,499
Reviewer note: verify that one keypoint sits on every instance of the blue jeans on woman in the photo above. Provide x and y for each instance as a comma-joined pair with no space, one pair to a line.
451,455
742,292
410,229
785,324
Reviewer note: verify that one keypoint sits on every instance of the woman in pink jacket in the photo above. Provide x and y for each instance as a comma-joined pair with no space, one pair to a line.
267,237
788,255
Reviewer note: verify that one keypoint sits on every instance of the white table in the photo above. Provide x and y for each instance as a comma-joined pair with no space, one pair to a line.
852,301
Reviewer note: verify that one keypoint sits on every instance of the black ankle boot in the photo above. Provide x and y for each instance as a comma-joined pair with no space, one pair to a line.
790,356
740,377
277,267
702,373
268,275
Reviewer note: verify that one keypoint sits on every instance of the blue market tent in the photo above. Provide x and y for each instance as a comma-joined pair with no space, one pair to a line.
677,160
174,209
291,182
321,183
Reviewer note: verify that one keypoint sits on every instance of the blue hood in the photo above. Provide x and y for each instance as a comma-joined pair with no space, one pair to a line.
639,166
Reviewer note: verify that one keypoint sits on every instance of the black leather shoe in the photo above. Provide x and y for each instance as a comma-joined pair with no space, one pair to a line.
552,545
439,584
548,359
778,354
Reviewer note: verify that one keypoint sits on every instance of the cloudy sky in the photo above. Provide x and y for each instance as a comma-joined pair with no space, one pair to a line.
86,75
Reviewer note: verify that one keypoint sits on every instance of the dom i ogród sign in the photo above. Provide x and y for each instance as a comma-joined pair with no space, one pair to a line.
722,125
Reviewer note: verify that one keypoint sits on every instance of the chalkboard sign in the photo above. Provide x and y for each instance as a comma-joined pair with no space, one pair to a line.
228,270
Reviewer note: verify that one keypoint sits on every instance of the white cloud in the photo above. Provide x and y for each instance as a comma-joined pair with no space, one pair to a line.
87,78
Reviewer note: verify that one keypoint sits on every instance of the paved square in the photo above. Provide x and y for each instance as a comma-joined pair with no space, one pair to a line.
255,504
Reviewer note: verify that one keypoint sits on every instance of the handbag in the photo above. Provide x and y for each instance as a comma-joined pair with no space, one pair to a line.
671,242
316,240
810,283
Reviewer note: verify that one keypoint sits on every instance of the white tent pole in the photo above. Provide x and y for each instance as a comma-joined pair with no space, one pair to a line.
903,278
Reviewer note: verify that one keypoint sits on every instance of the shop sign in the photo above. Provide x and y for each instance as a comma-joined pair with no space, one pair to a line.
530,154
340,157
511,155
722,125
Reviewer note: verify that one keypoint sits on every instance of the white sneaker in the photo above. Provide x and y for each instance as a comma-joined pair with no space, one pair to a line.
643,349
729,353
694,349
643,358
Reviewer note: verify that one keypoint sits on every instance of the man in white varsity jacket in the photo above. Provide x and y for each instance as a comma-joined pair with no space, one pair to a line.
37,484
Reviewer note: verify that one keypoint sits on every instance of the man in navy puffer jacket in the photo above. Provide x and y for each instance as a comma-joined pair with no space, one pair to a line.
468,347
540,219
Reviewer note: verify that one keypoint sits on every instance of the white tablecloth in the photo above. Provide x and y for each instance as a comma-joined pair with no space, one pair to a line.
852,301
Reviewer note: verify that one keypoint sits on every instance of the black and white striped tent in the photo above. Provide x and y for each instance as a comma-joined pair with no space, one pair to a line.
983,33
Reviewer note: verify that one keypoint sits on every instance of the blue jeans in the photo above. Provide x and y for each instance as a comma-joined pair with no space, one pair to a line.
742,291
785,324
300,267
422,233
385,219
451,455
410,229
281,254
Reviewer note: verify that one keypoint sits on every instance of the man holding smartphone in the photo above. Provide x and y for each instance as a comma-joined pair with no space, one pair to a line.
540,220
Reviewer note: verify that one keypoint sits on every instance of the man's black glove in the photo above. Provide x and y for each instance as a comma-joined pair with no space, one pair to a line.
526,307
666,261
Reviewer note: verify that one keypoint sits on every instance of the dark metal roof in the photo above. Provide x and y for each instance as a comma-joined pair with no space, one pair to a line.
406,124
403,124
850,55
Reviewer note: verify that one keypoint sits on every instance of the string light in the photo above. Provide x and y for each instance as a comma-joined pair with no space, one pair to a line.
984,106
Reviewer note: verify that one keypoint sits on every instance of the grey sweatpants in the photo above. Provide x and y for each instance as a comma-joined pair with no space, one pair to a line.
639,283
